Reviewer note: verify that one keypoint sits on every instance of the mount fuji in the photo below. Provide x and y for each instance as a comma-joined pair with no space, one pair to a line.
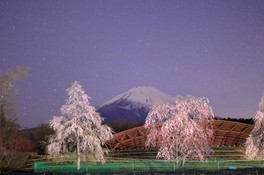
133,105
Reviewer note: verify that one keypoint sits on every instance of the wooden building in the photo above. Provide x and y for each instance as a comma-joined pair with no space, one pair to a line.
226,133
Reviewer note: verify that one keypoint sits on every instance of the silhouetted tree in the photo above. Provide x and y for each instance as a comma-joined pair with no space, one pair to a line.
22,144
241,120
39,136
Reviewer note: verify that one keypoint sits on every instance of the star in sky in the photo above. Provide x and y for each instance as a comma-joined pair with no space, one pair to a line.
203,48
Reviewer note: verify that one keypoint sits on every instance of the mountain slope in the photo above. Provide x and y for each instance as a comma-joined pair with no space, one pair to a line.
133,104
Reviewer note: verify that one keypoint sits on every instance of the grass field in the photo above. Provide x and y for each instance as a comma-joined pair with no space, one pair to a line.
148,165
144,161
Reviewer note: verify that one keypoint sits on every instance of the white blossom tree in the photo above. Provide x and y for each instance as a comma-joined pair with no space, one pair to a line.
80,128
255,141
182,130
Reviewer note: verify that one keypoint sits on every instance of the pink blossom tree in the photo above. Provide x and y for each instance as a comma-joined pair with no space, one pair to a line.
255,141
80,128
182,130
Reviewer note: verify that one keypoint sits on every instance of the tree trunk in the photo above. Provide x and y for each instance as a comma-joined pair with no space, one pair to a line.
78,152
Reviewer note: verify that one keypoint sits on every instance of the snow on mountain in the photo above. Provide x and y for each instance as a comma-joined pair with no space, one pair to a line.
133,104
141,97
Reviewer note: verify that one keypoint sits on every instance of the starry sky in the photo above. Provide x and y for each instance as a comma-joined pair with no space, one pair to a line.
204,48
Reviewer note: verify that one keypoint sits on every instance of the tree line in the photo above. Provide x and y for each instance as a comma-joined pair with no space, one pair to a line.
241,120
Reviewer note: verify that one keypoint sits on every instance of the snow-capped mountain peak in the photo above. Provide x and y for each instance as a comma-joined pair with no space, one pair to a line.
134,102
142,97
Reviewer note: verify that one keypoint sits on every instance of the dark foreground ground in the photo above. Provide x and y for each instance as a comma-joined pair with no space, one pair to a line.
250,171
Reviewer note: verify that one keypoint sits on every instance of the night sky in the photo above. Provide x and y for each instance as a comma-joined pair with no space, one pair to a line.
203,48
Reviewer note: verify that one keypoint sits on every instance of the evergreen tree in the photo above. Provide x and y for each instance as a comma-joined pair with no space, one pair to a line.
80,128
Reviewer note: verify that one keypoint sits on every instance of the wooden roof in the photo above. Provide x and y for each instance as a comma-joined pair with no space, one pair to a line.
226,133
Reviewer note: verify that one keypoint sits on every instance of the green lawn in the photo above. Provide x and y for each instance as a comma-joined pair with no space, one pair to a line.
143,161
148,165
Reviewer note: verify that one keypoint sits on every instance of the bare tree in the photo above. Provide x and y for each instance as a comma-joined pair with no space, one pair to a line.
8,126
80,128
182,130
7,81
255,141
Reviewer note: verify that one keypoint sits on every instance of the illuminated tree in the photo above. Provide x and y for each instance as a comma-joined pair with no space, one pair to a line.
80,128
182,130
255,141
